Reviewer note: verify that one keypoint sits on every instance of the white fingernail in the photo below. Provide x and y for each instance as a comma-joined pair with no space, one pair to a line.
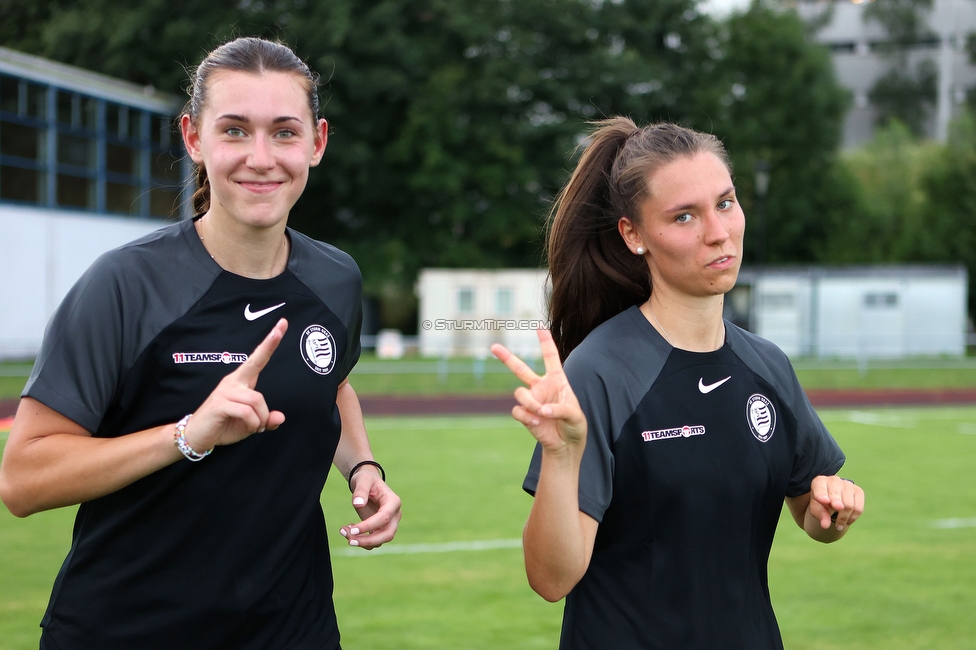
840,528
343,532
359,501
354,542
354,531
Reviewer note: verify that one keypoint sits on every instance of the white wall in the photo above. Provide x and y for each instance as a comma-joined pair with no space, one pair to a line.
936,320
850,327
44,252
447,330
855,312
885,311
781,311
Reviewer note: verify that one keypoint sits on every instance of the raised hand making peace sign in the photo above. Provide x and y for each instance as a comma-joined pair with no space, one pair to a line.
548,408
547,405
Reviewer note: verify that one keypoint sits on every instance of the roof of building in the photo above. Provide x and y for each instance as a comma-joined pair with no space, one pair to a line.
80,80
750,273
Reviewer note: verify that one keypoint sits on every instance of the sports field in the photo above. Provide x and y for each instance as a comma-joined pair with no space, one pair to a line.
905,577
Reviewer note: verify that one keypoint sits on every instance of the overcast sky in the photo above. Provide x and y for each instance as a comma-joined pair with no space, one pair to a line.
721,7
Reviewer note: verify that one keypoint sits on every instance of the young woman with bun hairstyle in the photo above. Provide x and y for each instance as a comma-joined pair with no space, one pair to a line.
668,438
192,393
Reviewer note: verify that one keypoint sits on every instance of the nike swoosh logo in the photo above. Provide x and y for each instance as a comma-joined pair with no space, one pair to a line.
254,315
710,387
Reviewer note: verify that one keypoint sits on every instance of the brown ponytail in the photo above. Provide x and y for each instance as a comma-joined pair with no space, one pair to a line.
593,276
201,197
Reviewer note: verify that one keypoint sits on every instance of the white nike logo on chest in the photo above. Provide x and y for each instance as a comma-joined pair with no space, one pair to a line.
705,389
254,315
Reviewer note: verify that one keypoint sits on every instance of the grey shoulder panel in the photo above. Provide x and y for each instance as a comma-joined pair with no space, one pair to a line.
334,277
118,306
625,354
817,452
611,371
765,359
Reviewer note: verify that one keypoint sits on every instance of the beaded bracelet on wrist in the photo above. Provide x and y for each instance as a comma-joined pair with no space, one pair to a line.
180,439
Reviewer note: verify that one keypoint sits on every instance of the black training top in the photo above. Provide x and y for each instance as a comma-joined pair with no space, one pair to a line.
688,459
230,552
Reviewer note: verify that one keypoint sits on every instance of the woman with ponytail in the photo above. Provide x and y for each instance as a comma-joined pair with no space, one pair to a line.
670,439
192,393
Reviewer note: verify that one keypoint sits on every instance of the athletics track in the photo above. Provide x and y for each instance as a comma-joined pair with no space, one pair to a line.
502,404
486,404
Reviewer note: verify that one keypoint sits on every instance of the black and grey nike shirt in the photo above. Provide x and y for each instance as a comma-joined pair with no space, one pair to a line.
230,552
688,459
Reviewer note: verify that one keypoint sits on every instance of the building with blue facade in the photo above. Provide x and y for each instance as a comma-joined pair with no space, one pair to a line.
87,163
76,140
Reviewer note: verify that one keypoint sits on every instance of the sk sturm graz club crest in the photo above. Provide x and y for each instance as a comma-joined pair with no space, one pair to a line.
761,416
318,349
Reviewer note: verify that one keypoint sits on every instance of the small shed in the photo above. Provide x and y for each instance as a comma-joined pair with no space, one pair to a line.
464,311
855,311
867,311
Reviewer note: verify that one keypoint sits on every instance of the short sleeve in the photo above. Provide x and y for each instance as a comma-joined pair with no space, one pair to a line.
335,278
355,326
78,369
610,372
596,468
817,453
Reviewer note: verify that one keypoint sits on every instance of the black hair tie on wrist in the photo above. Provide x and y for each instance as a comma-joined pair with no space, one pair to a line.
362,463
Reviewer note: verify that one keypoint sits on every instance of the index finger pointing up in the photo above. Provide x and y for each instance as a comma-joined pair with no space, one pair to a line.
255,363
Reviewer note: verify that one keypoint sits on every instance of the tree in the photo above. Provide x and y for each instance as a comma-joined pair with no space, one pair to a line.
917,201
906,96
453,121
889,223
902,93
778,102
949,232
21,23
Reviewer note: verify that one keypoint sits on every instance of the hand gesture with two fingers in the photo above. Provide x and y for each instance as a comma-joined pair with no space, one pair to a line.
547,405
234,410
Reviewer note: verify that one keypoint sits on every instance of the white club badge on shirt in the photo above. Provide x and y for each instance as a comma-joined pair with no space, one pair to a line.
761,417
318,349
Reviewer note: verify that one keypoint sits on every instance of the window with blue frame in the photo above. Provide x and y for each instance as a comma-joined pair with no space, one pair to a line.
165,166
23,141
76,178
65,149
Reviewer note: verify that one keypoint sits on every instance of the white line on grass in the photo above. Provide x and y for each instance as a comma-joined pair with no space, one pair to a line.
955,522
882,419
447,547
421,423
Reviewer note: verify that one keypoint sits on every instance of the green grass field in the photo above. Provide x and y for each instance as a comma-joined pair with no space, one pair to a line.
905,577
414,376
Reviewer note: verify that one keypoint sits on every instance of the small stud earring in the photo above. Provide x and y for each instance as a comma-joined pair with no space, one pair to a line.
640,250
